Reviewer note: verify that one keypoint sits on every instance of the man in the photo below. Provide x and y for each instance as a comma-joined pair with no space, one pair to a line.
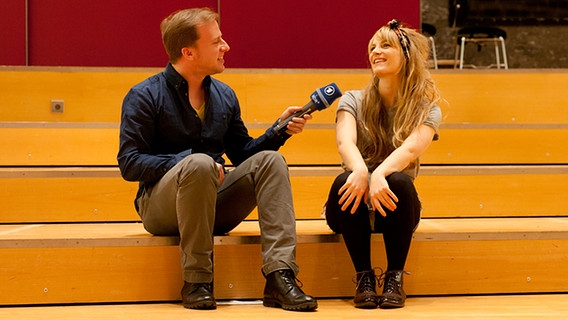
175,128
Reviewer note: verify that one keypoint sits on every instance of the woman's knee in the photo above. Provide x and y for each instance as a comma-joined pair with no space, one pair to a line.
401,183
333,210
333,196
339,181
409,205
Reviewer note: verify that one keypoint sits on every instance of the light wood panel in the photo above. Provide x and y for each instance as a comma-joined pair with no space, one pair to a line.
58,146
535,306
445,267
90,95
69,275
521,96
95,94
498,145
67,199
513,117
65,264
129,234
84,194
316,146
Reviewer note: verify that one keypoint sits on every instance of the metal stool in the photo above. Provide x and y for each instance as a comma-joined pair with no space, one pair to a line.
429,31
479,36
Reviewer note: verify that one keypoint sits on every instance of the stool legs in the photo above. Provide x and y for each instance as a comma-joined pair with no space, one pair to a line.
497,54
434,57
460,50
504,51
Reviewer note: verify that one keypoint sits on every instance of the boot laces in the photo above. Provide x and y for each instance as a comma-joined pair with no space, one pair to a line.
367,280
390,282
291,280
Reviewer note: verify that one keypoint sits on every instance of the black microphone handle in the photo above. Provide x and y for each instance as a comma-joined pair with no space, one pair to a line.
307,109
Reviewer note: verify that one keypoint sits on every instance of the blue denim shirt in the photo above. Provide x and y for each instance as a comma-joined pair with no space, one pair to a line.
159,127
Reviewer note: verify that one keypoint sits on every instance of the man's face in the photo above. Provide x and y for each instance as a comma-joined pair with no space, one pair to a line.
210,49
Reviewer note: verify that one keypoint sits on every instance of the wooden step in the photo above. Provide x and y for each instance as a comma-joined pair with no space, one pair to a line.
96,144
96,94
91,194
533,306
120,262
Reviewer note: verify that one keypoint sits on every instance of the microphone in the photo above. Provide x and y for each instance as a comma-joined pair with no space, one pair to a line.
321,98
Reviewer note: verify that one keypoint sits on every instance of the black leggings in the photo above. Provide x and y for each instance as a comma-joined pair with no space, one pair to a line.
397,227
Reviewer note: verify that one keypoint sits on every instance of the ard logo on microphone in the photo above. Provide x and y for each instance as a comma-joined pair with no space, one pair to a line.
329,90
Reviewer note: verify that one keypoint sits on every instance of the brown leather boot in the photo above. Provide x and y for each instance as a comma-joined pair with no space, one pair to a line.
393,293
366,293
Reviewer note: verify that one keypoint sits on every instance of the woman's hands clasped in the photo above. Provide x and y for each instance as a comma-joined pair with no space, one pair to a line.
357,188
380,195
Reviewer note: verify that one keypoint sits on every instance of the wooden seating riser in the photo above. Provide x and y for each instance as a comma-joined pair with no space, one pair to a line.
501,154
98,147
95,94
148,273
61,199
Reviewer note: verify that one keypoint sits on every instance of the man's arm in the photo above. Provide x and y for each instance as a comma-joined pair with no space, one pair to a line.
137,133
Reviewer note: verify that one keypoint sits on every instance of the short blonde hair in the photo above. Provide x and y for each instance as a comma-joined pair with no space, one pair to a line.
179,29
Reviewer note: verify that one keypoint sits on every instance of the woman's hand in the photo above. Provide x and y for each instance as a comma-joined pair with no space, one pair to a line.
380,194
355,188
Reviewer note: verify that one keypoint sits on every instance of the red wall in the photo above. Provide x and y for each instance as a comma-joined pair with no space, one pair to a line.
12,33
307,34
261,33
100,32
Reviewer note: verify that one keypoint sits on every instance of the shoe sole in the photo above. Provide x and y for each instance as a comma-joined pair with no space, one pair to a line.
390,305
366,305
308,306
206,305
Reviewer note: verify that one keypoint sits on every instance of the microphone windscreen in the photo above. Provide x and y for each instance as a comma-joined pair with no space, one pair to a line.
324,97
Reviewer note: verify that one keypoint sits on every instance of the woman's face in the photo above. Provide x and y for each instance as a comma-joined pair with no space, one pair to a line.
385,58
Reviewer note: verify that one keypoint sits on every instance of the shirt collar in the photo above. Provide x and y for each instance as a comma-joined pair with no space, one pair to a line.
178,81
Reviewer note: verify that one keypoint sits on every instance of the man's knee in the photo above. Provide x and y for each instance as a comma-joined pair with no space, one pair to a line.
198,166
272,161
272,157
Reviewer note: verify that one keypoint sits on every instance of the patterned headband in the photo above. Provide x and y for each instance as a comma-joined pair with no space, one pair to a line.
395,25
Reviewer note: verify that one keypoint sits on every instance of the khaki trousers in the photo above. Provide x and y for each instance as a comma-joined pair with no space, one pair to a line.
188,202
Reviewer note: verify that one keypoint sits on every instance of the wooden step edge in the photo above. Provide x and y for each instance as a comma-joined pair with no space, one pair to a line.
308,231
122,69
264,125
305,170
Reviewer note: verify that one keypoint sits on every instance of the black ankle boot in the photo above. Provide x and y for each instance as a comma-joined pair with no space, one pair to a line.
366,292
393,293
198,296
282,291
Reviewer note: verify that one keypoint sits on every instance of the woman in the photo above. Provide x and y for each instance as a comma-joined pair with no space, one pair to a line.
381,133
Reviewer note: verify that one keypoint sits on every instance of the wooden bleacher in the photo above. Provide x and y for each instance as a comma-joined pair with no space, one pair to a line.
494,218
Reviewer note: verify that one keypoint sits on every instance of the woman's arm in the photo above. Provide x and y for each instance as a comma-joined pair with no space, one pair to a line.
356,187
416,143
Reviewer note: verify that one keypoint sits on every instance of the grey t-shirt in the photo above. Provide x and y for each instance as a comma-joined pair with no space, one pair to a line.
351,101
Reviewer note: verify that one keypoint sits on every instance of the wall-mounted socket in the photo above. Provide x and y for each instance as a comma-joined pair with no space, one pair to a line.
57,106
